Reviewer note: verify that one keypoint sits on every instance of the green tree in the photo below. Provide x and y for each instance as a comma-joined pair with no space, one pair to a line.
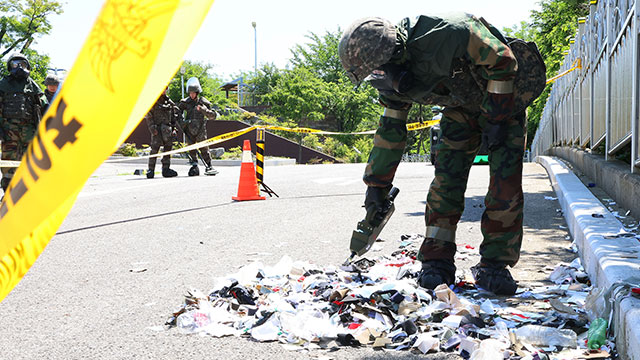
24,20
210,83
320,56
553,27
345,106
265,81
523,31
39,65
419,142
298,98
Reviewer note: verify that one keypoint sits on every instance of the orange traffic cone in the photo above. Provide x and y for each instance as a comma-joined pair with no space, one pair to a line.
248,185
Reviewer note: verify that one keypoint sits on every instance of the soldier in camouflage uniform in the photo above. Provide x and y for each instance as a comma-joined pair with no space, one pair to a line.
442,60
51,82
198,111
161,120
21,104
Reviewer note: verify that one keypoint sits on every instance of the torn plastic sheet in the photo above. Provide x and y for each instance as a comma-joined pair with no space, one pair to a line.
378,303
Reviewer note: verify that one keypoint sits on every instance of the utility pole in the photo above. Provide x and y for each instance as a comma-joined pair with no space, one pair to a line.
255,49
182,71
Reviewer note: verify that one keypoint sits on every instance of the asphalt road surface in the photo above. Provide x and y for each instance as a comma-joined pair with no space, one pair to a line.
87,296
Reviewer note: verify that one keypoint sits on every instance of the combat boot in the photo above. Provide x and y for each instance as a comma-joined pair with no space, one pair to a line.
495,277
210,171
150,173
436,272
166,172
194,170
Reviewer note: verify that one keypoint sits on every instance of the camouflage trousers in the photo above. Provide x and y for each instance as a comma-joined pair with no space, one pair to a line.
388,146
501,222
15,142
156,143
204,151
164,139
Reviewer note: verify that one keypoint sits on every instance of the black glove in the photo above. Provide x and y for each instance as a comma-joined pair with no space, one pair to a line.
494,135
376,196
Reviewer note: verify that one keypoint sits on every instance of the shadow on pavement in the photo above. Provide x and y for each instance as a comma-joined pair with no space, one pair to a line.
143,218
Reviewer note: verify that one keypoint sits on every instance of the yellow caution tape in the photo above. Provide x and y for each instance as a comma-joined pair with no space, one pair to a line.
9,163
574,67
314,131
211,141
421,125
224,137
134,48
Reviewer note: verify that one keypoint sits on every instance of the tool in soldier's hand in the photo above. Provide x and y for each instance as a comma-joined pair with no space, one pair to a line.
370,227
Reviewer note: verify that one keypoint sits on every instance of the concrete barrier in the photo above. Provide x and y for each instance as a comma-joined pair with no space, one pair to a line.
606,256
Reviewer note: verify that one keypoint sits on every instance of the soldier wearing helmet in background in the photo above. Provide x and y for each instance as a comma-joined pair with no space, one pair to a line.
464,64
198,111
21,104
161,121
51,82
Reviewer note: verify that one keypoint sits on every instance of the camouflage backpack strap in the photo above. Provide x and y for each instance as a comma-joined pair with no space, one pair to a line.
531,77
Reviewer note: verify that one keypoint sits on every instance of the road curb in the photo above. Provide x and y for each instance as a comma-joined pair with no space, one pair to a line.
606,260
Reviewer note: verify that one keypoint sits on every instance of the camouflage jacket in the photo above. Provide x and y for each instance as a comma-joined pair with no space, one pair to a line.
195,120
446,57
163,112
21,99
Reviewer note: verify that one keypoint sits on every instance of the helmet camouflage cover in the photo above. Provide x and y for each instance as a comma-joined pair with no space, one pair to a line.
367,44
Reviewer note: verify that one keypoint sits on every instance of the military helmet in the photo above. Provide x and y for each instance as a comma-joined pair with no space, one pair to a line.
18,58
367,44
193,84
51,79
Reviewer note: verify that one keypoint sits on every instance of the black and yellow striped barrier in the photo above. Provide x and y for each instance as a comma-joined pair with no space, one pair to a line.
260,137
260,155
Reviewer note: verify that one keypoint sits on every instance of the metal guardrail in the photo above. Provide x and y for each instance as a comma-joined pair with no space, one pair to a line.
598,103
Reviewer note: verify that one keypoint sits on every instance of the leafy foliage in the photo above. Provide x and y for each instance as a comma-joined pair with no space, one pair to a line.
210,84
552,28
265,82
22,21
298,97
127,149
320,56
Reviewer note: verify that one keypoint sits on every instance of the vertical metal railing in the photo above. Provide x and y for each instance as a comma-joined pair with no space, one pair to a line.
597,105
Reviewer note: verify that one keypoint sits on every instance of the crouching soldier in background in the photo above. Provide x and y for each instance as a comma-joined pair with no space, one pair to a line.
198,111
161,121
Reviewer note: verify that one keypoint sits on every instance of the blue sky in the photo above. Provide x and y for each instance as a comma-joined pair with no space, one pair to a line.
226,39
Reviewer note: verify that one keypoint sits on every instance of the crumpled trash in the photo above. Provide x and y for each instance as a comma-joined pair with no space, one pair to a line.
566,274
376,302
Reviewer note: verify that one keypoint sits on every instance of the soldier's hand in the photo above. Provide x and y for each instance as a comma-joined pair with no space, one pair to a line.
494,135
198,107
174,133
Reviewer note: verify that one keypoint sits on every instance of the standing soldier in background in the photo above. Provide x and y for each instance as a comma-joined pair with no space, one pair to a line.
161,120
51,82
198,111
464,64
21,104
